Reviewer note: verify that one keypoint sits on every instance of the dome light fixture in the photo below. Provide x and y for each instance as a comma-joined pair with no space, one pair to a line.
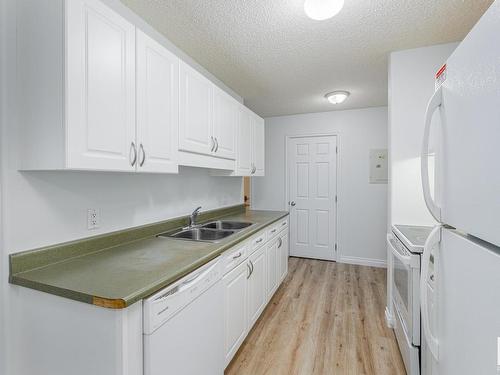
337,97
320,10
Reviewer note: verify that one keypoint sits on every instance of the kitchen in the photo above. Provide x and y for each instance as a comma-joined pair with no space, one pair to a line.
175,202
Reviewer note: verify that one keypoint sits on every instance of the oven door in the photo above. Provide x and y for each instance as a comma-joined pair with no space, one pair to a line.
406,288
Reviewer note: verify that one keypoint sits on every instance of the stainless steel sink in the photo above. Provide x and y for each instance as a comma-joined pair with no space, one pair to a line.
200,234
222,225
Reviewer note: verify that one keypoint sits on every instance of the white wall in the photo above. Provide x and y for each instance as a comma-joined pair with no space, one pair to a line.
42,208
3,263
411,84
362,206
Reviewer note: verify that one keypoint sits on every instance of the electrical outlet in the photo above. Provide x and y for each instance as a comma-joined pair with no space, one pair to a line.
93,219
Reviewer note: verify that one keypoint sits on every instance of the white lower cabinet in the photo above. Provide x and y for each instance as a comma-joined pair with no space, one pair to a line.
235,309
257,289
254,271
272,270
283,255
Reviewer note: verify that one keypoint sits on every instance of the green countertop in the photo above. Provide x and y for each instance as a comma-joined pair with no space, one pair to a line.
118,276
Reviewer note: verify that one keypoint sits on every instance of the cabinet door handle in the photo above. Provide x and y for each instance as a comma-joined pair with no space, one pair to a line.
280,242
216,144
141,148
249,271
213,144
133,151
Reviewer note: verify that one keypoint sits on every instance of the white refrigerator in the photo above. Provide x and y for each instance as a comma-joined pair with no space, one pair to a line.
460,279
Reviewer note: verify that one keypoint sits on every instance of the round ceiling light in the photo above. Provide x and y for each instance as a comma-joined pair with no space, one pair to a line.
322,9
337,97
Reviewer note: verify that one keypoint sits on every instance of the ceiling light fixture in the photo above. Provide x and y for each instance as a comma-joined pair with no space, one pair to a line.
320,10
337,97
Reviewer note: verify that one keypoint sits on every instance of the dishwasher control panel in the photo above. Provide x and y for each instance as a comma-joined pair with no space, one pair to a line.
164,304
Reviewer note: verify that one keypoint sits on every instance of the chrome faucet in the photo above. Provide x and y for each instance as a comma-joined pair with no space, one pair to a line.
193,216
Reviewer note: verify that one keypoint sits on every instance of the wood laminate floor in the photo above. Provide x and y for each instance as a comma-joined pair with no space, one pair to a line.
326,318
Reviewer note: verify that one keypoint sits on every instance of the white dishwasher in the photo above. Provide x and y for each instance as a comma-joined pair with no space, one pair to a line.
184,325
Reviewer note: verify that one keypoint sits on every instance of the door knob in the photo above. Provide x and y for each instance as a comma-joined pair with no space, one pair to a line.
292,203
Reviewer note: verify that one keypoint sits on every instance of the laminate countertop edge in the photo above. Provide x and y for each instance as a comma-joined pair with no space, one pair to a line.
58,279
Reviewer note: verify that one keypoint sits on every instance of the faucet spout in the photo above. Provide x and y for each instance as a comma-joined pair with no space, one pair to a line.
193,216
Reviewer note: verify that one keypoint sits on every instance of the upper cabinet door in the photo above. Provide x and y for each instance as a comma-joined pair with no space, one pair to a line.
195,112
157,106
225,123
100,88
258,145
245,128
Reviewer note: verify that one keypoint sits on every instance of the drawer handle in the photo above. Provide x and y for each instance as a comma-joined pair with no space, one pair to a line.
274,230
259,240
237,256
283,223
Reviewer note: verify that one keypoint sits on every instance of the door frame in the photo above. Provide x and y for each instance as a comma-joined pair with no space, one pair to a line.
337,183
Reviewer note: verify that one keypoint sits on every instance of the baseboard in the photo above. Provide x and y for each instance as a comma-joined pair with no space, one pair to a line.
389,319
363,261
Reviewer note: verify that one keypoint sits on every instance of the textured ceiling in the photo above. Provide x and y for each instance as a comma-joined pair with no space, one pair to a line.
281,62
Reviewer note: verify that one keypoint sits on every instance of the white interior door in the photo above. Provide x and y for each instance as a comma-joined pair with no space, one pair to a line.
312,188
157,106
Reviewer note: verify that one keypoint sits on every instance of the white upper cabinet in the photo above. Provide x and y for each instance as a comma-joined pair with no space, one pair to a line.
100,87
258,144
208,119
157,106
245,133
225,124
99,94
250,144
195,112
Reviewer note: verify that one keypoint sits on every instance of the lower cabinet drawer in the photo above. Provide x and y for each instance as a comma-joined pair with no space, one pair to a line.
272,232
259,240
283,224
234,257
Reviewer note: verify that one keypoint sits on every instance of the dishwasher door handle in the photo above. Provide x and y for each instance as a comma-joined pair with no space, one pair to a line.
186,284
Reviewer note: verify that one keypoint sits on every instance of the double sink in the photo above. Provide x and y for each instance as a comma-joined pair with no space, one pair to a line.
210,232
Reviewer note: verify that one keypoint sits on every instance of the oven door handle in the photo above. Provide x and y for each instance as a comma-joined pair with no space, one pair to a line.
432,341
407,260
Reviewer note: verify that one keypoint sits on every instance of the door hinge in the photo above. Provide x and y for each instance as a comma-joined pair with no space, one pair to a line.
336,149
336,199
335,247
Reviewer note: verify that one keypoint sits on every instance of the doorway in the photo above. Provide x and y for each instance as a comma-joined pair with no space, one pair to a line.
312,195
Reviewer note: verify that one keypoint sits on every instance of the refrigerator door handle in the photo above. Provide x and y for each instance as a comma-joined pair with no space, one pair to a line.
432,106
432,341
